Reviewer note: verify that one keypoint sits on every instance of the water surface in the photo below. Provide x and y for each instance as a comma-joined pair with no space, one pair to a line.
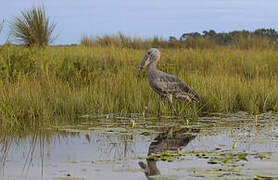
237,146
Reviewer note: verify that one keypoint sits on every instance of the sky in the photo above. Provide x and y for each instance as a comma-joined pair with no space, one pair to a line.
145,18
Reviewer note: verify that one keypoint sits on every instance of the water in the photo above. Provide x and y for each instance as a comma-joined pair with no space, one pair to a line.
220,146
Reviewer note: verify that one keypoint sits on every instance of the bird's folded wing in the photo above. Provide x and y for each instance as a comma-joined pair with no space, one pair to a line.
169,84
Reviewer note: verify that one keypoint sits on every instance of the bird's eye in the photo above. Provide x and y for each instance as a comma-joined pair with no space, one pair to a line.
149,53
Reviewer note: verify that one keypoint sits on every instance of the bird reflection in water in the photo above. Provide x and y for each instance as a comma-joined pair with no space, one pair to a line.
167,141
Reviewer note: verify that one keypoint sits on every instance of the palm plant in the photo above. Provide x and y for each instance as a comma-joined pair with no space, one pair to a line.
33,27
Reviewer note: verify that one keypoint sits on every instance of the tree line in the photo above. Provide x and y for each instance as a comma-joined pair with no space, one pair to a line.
229,38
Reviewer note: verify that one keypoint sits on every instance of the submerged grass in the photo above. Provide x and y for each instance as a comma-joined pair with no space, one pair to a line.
61,83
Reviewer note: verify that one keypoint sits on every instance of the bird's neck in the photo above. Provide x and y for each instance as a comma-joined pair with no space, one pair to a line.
152,72
152,67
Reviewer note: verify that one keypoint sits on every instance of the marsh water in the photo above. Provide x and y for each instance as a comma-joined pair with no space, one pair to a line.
228,146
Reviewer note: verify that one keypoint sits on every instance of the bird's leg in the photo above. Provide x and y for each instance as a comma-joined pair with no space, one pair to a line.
170,99
159,108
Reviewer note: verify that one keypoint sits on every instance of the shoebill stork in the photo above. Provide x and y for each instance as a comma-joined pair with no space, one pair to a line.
166,85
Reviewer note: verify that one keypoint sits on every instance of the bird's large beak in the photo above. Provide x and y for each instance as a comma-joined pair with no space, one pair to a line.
145,62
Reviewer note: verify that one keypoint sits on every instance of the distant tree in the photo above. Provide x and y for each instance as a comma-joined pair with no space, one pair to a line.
33,27
205,33
172,38
195,35
270,33
184,36
211,33
187,35
260,38
224,38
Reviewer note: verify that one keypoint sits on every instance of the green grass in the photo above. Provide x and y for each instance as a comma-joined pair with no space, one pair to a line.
61,83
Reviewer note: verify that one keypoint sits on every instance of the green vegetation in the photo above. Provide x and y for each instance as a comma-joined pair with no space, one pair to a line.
62,83
258,39
33,27
164,156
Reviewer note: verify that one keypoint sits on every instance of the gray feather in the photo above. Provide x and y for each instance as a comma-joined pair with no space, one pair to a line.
165,84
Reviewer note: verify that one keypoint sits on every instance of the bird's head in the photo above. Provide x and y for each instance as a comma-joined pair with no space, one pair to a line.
152,55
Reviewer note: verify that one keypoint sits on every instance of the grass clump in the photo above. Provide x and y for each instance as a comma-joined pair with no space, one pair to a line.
33,27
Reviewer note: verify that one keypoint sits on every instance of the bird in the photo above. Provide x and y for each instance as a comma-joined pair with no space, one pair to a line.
166,85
